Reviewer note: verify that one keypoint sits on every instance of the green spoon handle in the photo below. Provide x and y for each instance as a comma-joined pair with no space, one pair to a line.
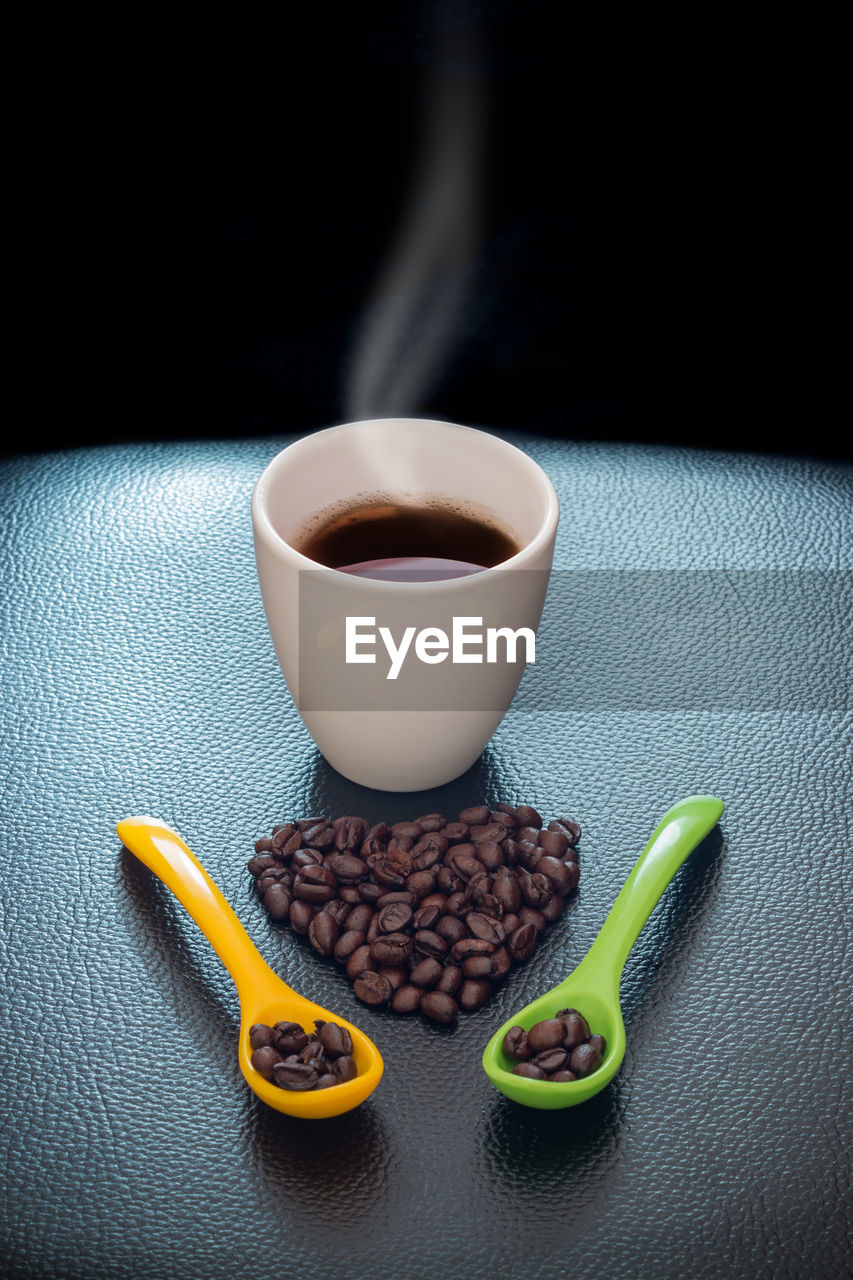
679,831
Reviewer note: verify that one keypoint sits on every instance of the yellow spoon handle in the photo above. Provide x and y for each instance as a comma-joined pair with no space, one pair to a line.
165,853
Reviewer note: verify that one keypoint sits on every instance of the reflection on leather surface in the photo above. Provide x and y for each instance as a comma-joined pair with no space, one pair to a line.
139,677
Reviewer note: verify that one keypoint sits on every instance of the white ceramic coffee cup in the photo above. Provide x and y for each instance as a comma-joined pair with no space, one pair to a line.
398,748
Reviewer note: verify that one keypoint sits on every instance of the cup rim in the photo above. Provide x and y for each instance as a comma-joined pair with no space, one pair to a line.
264,527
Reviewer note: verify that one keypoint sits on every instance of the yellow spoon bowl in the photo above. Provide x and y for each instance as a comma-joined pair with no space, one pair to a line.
264,997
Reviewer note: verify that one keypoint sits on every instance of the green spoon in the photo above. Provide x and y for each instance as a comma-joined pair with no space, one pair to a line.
593,987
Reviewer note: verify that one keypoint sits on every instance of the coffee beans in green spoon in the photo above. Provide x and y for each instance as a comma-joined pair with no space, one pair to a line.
593,988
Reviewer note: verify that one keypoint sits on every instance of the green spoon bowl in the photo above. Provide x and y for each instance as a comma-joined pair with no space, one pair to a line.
593,987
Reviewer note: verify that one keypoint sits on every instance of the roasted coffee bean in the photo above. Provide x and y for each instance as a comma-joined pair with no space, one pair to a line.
311,1050
412,830
347,868
450,980
428,944
484,927
575,1028
319,836
535,889
335,1039
344,1068
420,883
260,1035
547,1034
552,1060
394,917
563,1076
315,885
290,1037
556,872
264,1059
585,1058
430,821
392,948
522,943
455,832
488,904
406,999
371,988
397,895
569,828
473,994
390,875
511,852
313,820
426,917
529,915
286,839
301,915
337,909
426,973
305,857
374,842
455,903
358,962
490,831
323,933
490,854
326,1081
599,1044
554,843
466,947
277,901
515,1044
507,892
449,881
349,832
360,917
529,1070
553,908
475,815
464,865
347,944
439,1006
263,862
397,975
451,928
295,1075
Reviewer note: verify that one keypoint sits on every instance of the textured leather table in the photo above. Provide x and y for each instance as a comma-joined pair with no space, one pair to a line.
138,676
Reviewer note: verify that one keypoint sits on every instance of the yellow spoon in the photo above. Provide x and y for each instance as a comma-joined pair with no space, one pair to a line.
264,997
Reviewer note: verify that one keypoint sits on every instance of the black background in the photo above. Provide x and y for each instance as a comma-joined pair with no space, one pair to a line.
206,195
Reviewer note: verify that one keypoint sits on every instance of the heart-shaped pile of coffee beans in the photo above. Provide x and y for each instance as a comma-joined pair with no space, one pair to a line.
427,914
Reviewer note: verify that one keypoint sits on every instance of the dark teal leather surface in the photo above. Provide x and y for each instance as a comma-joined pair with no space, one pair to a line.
138,676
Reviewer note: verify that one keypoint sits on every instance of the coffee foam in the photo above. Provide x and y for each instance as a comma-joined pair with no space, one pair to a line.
379,498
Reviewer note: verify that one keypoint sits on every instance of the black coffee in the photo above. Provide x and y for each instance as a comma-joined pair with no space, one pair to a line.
386,537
